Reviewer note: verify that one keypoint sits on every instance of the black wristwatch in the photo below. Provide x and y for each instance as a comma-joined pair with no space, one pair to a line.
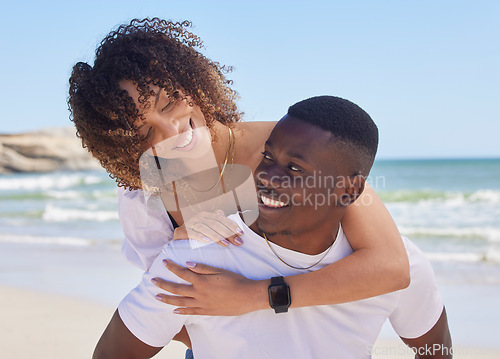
279,295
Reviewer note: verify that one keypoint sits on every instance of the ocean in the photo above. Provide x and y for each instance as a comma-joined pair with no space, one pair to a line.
450,208
59,232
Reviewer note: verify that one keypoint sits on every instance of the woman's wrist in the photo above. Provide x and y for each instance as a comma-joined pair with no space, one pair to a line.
259,294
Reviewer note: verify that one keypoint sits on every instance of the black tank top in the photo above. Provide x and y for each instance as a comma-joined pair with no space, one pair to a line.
174,223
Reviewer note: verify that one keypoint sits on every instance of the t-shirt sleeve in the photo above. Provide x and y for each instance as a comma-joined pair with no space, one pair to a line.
150,320
420,305
146,228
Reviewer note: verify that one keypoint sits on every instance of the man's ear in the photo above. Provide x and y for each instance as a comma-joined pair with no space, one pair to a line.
354,186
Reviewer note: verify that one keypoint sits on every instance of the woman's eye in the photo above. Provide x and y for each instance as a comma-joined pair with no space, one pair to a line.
167,107
148,134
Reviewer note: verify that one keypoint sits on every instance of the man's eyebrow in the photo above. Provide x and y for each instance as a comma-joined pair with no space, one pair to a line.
296,155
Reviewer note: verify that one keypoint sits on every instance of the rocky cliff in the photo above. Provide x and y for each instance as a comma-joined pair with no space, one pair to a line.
44,151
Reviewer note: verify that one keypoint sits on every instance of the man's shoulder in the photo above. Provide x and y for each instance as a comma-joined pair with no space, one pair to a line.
420,304
184,248
421,272
415,255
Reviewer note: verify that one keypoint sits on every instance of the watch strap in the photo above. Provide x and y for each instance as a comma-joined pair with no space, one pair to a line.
285,294
278,280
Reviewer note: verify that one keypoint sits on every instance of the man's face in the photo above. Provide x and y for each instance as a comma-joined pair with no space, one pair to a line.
297,180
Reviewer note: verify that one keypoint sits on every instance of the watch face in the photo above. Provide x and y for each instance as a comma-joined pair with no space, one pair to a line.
279,295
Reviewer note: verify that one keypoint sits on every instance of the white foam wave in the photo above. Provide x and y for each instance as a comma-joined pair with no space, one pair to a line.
488,233
454,257
71,194
488,257
64,194
57,214
485,195
46,182
451,198
30,239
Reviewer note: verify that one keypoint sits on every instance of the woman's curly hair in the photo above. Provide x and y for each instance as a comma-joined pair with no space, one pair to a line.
147,52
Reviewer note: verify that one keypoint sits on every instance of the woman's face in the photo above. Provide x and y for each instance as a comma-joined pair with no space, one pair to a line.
173,127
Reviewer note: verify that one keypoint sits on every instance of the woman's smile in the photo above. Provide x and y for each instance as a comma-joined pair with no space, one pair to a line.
185,137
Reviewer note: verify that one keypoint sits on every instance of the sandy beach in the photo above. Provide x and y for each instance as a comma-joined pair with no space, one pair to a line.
39,325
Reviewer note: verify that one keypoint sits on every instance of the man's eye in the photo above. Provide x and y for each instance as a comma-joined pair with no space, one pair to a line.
295,168
266,156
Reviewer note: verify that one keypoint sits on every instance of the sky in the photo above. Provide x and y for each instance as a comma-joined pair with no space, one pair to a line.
428,72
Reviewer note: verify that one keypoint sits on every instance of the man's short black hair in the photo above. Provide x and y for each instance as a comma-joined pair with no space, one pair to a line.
352,128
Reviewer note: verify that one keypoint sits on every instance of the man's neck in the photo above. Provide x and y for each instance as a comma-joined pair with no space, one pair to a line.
311,243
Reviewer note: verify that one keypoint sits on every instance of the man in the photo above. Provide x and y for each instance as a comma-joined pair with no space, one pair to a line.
314,166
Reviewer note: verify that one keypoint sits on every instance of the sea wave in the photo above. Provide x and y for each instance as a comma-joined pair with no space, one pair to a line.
31,239
58,214
59,195
449,197
492,257
52,181
491,234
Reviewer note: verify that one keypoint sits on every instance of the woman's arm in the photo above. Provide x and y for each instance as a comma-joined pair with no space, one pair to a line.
378,265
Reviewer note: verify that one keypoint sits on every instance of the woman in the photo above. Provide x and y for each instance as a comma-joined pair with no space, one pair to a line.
148,84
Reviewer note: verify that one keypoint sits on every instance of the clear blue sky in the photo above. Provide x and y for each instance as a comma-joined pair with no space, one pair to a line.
428,72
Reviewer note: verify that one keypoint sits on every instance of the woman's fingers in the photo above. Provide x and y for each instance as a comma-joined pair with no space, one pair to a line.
181,272
182,232
212,291
193,311
207,226
220,217
200,268
211,231
174,288
216,227
176,300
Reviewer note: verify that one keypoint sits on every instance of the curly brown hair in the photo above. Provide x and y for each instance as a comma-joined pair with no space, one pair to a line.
148,52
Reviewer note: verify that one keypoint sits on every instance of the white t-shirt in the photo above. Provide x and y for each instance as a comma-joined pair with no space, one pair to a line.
343,330
146,226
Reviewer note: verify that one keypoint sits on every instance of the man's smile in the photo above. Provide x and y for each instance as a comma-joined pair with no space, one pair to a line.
272,203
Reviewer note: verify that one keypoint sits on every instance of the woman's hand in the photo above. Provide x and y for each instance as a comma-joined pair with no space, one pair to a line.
207,226
213,291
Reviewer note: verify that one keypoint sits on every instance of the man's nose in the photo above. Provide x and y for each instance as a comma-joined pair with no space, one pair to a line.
272,177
